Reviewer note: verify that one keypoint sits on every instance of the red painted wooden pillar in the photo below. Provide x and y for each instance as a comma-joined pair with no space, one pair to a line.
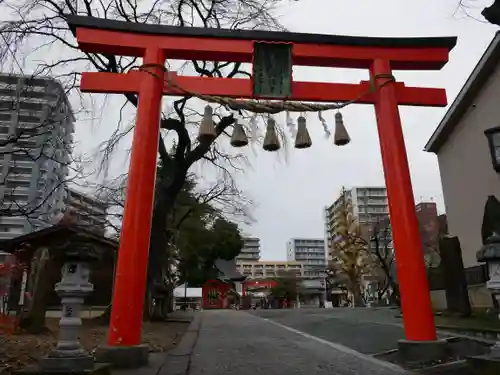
131,269
418,317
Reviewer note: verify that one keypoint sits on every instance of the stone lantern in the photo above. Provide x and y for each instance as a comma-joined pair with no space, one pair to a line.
69,356
490,254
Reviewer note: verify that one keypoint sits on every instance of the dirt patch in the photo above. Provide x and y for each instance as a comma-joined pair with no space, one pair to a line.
20,350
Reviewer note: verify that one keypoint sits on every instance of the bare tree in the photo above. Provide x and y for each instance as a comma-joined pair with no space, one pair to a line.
31,28
384,260
474,9
222,193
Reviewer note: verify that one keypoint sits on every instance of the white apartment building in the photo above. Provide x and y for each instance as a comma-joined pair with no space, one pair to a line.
36,127
250,250
369,205
311,253
267,269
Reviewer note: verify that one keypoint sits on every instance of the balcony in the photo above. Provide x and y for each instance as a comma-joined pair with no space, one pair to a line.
17,190
10,234
376,202
12,220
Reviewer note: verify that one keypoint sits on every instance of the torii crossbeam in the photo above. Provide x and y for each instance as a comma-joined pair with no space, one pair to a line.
155,44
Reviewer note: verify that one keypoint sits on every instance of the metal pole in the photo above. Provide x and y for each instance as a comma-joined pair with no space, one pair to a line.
185,293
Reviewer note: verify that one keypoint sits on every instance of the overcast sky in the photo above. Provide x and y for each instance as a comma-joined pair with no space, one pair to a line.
291,195
291,188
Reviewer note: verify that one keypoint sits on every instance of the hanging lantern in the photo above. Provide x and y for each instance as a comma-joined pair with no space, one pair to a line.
303,139
207,127
341,137
271,141
239,137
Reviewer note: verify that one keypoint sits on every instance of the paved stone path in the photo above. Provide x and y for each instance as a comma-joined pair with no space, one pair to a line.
236,342
368,331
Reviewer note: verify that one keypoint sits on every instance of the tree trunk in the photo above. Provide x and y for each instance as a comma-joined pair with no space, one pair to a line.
395,298
34,320
357,297
355,289
165,197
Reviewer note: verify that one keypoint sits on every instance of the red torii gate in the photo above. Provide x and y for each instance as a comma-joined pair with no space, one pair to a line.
155,43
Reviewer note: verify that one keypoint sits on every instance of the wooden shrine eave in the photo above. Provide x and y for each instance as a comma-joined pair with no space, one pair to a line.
111,83
97,35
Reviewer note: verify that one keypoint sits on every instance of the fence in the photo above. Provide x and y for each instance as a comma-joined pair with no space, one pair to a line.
473,275
476,277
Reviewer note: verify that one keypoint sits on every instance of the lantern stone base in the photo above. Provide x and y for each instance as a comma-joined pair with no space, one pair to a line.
124,357
484,364
97,369
422,352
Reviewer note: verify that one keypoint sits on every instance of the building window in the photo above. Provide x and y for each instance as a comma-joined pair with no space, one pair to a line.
493,136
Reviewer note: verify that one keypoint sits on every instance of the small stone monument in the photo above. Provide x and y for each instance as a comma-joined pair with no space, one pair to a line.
489,253
69,356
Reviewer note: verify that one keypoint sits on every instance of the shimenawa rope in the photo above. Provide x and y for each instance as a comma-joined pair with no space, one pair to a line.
270,107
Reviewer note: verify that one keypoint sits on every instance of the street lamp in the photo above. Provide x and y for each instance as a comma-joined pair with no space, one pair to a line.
493,136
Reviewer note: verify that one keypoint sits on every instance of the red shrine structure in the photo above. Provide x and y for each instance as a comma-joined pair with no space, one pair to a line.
157,43
215,292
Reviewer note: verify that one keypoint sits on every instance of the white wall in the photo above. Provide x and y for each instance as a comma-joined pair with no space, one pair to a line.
466,170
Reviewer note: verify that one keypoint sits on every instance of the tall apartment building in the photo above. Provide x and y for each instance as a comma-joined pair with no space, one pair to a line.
267,269
369,205
311,253
36,126
250,250
86,210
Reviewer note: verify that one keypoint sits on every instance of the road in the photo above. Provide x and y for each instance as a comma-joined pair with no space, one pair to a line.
368,331
236,342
